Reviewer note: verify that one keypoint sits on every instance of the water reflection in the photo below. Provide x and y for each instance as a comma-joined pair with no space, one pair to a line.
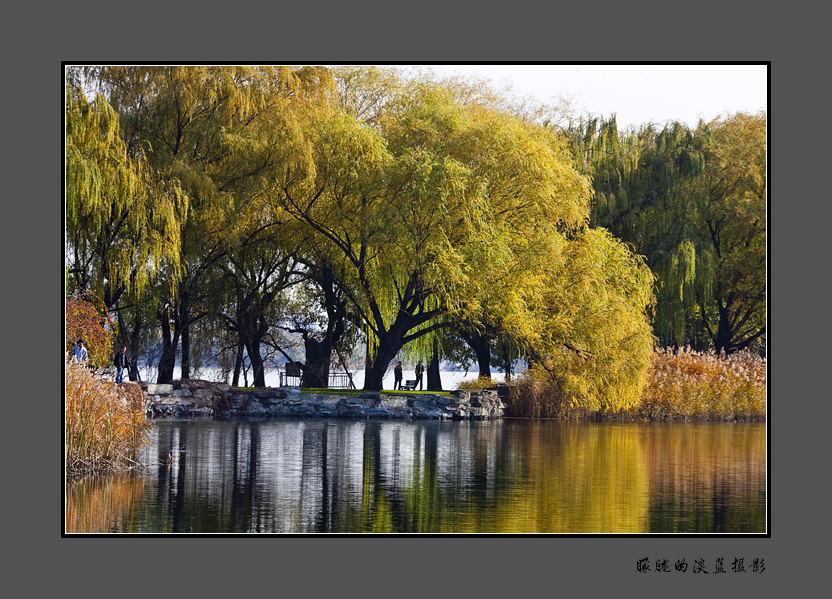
382,476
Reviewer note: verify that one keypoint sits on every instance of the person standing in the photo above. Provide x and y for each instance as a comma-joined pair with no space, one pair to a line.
79,353
397,376
419,370
121,362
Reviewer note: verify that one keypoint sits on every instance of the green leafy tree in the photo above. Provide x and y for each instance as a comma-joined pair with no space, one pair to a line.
122,219
203,127
732,199
693,203
421,212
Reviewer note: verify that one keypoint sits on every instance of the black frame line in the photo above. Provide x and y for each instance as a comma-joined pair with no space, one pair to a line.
766,63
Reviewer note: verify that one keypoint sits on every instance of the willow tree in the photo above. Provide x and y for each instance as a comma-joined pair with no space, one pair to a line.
422,213
732,198
592,303
320,314
194,124
692,202
256,274
122,218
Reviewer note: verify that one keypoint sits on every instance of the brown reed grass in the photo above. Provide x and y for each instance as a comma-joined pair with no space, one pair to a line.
105,423
682,385
690,385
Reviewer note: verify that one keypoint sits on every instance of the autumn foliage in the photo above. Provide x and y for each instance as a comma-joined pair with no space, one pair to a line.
87,319
705,385
105,422
681,385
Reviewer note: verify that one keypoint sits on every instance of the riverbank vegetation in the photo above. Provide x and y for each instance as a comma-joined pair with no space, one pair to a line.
105,423
88,319
705,385
240,215
681,385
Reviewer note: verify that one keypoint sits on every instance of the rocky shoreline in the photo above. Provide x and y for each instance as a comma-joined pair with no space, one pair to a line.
193,397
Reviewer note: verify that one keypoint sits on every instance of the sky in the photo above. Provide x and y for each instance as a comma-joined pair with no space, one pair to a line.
637,94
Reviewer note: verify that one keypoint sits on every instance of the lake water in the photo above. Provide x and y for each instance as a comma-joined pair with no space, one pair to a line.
506,476
450,378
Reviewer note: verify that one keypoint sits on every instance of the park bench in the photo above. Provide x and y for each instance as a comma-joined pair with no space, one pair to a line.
409,385
291,371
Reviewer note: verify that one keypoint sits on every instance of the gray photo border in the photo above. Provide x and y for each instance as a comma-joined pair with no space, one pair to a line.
501,566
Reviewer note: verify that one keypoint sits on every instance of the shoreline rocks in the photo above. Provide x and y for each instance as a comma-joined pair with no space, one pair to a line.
194,397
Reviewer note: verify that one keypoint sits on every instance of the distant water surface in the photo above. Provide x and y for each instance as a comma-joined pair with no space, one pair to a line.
450,378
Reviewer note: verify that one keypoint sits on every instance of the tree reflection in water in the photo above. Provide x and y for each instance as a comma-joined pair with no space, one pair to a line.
439,477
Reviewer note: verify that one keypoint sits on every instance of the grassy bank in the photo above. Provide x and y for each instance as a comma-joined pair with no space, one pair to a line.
683,385
105,422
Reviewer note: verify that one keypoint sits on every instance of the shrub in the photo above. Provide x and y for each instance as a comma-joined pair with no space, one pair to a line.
87,319
477,384
682,385
538,395
105,423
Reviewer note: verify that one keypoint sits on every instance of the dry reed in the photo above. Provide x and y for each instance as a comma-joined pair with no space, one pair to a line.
682,385
106,425
690,385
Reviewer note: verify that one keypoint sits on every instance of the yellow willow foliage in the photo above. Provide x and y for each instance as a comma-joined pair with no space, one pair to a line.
734,183
363,92
594,338
220,133
461,202
119,215
491,188
173,98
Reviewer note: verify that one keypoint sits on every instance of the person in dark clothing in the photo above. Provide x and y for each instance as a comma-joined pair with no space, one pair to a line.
397,376
121,362
419,370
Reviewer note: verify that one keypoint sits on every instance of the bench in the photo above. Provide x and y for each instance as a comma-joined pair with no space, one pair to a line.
291,371
409,385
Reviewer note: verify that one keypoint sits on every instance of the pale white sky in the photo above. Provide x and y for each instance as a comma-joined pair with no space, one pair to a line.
637,94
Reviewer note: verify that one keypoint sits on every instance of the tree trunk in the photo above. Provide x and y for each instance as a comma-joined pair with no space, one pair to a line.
482,349
316,370
167,361
186,348
386,351
368,356
252,343
238,365
723,333
434,379
131,340
508,362
258,373
133,346
319,353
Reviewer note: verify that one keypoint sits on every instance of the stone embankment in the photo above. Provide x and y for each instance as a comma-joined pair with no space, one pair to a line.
204,398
